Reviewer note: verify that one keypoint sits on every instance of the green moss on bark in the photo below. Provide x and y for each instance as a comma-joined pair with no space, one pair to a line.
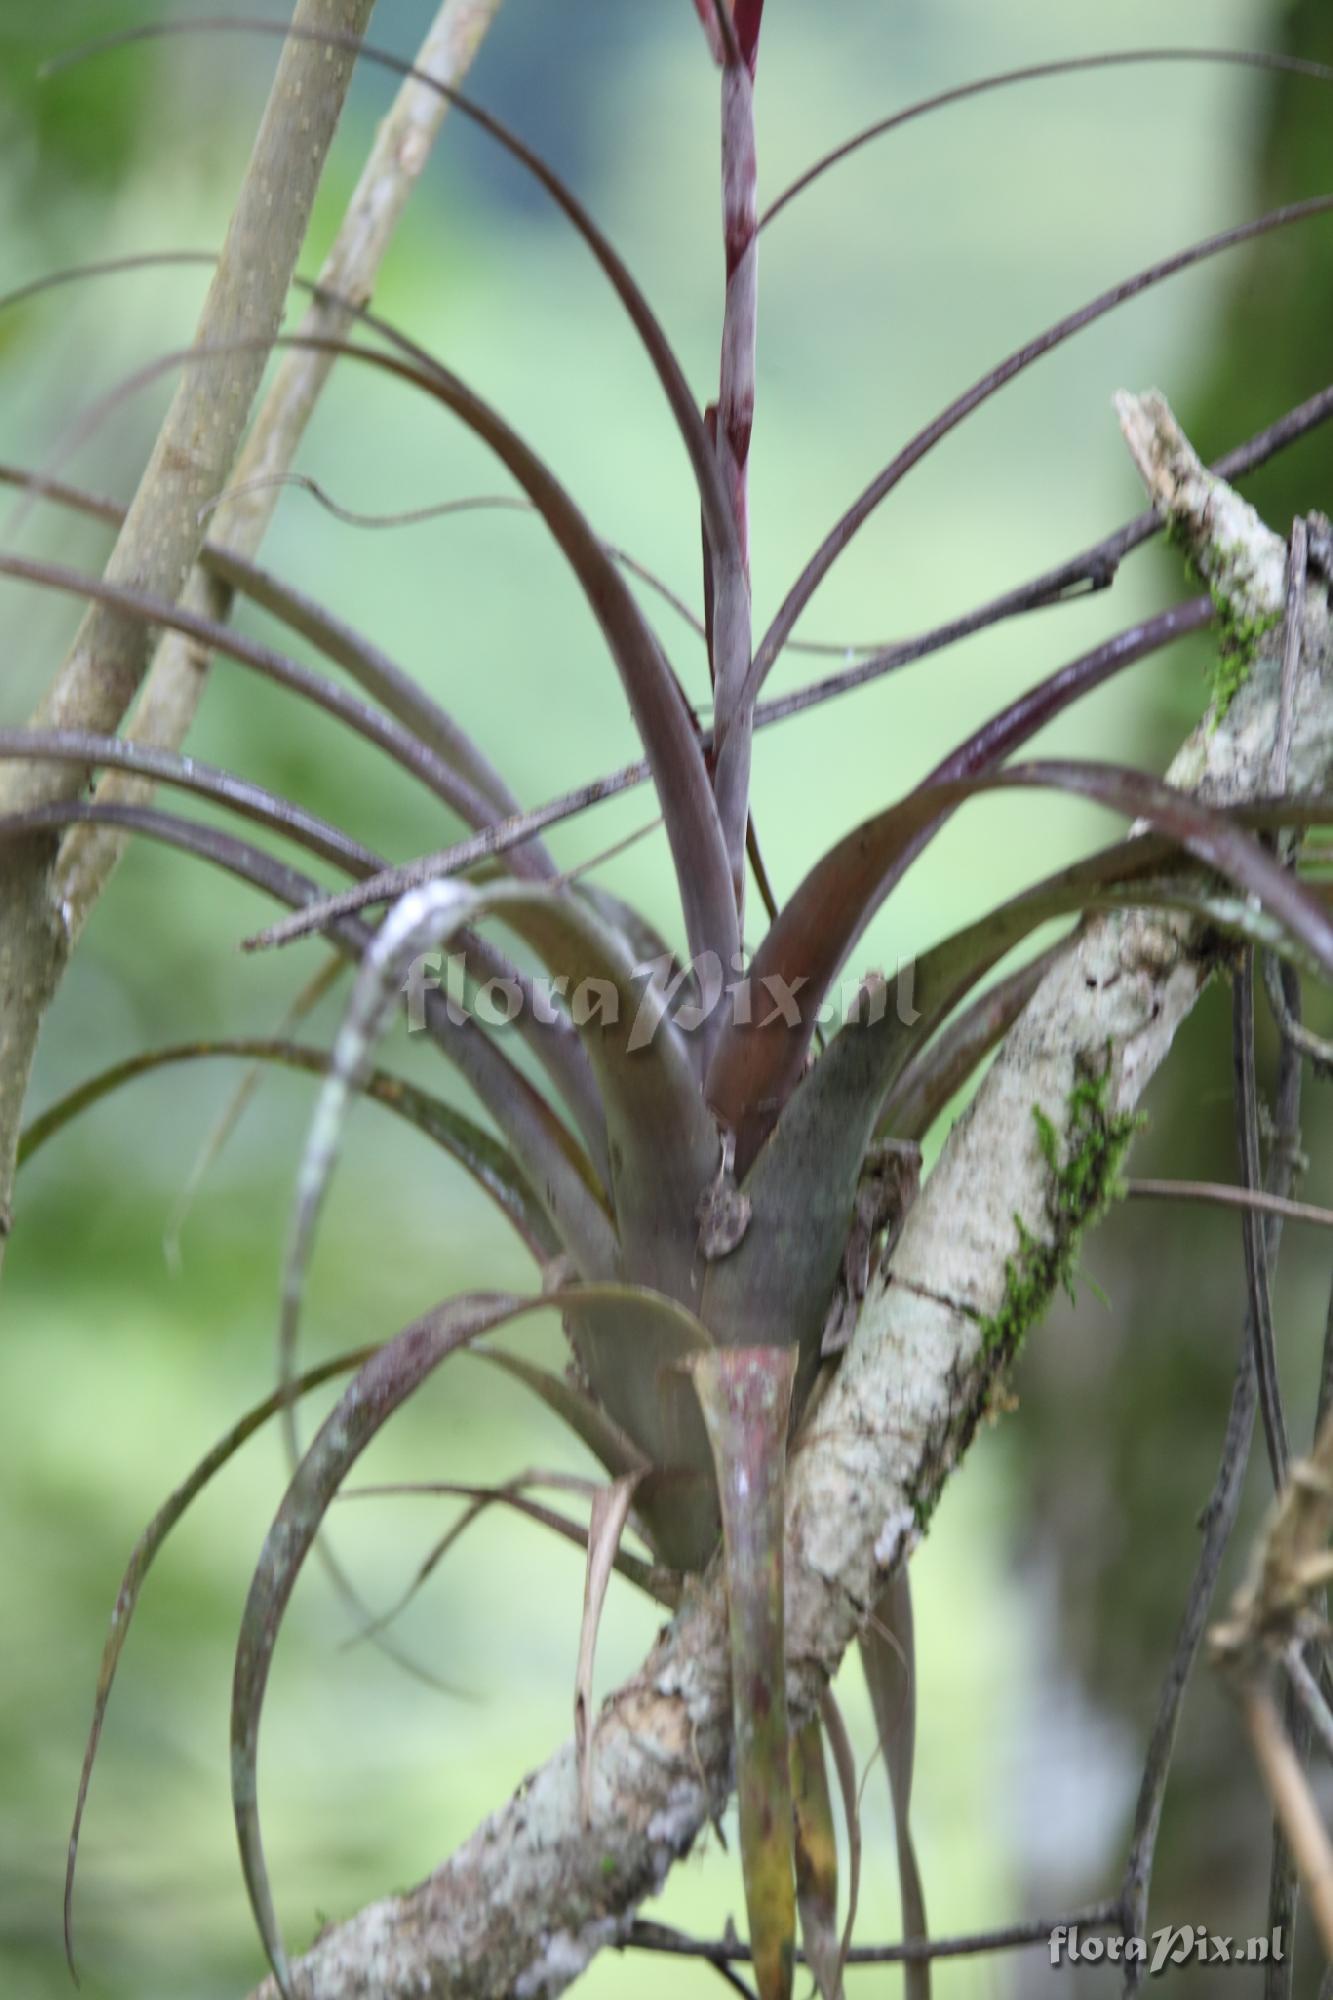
1238,637
1084,1179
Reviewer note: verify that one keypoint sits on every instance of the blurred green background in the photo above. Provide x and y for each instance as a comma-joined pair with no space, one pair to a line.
1047,1590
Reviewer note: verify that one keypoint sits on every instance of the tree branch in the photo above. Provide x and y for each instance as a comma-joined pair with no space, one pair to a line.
176,682
164,527
526,1902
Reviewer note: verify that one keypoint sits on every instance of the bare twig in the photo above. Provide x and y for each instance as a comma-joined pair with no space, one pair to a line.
644,1936
1219,1194
1310,1695
1317,1047
1295,1808
1256,1249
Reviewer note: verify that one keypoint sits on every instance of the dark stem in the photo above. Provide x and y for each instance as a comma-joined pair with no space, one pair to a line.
645,1936
1256,1249
1216,1523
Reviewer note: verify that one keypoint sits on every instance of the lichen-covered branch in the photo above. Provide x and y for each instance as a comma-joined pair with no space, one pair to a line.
175,684
526,1902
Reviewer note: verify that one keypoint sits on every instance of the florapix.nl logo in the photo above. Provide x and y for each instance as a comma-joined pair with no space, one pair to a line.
690,996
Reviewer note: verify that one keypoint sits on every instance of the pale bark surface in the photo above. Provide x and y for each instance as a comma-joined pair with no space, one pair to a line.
48,893
164,527
175,684
527,1901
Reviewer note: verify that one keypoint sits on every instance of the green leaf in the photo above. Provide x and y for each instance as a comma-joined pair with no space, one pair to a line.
816,1856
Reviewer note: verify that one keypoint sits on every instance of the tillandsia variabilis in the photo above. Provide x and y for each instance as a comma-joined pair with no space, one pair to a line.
711,1172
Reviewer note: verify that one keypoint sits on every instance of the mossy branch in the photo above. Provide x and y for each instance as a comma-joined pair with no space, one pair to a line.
1083,1156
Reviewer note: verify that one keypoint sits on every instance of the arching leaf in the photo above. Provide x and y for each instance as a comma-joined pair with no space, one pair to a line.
757,1065
855,517
944,1065
661,1139
659,1584
141,1561
1033,73
547,1155
888,1656
755,1068
357,715
372,670
487,1162
609,1445
664,725
392,1375
684,408
165,767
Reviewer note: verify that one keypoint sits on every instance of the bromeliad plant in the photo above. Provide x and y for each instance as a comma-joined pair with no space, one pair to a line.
705,1184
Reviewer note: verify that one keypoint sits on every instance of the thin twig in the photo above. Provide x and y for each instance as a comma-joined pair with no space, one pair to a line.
645,1936
1216,1524
1225,1196
1310,1696
1256,1254
1291,652
1316,1047
1301,1824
